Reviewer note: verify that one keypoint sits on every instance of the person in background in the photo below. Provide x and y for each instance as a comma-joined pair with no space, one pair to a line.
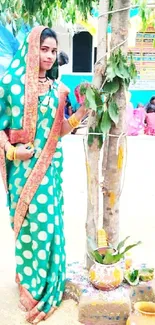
150,119
151,104
68,108
63,60
135,119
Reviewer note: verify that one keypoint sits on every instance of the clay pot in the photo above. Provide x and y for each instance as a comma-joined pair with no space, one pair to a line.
106,277
144,314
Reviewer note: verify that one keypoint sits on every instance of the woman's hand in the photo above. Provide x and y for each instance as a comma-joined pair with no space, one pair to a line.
23,153
81,112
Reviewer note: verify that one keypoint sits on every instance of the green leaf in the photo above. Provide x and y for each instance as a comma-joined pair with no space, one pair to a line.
110,73
154,43
108,258
122,243
100,141
113,112
99,100
122,71
90,137
132,277
90,96
131,246
111,258
112,86
105,123
97,257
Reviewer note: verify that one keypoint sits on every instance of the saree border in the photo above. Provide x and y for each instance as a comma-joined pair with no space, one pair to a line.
40,168
27,134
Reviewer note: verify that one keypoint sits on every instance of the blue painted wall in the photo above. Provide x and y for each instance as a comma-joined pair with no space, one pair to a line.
137,96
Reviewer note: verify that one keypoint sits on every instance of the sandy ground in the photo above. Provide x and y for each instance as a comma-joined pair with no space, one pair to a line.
137,220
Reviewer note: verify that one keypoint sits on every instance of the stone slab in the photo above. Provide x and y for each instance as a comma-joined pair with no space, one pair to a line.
96,307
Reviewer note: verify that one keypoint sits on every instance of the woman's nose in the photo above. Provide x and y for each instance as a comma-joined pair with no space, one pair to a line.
50,55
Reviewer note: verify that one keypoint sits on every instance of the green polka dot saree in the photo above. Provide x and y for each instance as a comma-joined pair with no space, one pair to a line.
34,186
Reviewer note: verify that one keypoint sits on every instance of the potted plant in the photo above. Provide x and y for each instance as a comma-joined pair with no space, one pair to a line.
107,271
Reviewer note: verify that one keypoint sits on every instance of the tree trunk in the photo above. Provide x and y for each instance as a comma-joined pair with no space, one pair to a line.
113,173
93,151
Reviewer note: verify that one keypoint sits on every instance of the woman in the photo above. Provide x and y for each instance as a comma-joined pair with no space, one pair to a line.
32,124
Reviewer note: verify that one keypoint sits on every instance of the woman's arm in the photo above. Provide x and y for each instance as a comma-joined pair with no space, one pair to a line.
66,127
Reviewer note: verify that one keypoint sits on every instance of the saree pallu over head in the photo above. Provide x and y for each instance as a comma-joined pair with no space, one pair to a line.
19,96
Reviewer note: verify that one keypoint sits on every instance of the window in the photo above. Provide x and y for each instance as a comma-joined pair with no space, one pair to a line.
82,52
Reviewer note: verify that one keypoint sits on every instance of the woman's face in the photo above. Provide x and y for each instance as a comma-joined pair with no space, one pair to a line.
48,53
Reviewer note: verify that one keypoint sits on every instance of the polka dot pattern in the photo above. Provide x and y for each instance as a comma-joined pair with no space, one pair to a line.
28,270
1,92
7,79
15,63
40,242
42,198
15,89
19,71
15,111
42,235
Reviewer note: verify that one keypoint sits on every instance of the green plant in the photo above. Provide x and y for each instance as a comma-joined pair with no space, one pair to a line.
120,72
111,255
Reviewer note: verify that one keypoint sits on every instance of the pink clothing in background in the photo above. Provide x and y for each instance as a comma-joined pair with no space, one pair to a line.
150,124
135,119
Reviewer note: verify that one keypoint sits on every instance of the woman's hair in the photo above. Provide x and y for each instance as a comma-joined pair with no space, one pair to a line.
47,32
152,98
150,108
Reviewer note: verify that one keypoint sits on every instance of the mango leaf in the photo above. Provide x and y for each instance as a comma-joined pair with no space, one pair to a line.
122,243
111,259
131,246
90,96
105,123
97,257
108,258
112,86
113,112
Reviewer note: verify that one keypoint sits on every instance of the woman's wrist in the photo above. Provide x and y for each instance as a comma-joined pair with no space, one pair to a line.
7,146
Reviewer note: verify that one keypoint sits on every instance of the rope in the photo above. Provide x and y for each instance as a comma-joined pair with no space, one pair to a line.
113,49
118,10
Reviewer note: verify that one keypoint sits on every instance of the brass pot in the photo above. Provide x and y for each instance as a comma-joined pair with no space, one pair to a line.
106,277
144,314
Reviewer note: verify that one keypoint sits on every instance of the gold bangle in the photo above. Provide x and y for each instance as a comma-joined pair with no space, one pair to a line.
10,153
73,122
15,153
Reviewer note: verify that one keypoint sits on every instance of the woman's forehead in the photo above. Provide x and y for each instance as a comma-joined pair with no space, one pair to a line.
49,42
